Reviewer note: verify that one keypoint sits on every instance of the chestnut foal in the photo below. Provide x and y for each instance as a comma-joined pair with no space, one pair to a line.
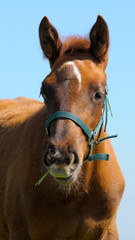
79,198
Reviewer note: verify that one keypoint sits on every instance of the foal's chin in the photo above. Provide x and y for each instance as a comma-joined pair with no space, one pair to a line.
65,176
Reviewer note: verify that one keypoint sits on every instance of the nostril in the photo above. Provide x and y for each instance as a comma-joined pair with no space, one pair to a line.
76,158
73,155
48,156
61,156
72,158
51,149
46,160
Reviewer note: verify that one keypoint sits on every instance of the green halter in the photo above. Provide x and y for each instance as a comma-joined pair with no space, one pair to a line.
90,134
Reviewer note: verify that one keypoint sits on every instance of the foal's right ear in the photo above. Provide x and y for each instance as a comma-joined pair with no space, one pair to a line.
49,40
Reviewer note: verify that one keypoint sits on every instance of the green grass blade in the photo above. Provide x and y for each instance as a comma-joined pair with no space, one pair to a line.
41,179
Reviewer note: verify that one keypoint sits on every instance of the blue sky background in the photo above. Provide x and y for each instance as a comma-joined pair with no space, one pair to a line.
22,69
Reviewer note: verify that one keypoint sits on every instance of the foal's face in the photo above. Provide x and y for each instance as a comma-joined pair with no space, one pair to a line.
76,84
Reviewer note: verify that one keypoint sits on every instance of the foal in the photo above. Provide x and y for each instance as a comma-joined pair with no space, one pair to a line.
79,198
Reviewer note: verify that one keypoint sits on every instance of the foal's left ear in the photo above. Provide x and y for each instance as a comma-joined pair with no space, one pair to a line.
99,38
49,40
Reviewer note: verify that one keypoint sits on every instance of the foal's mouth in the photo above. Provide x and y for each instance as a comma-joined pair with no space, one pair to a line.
65,180
64,169
64,175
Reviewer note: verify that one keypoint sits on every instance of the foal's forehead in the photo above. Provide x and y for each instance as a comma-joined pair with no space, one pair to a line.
81,71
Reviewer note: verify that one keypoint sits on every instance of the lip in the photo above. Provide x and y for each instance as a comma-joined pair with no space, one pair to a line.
64,180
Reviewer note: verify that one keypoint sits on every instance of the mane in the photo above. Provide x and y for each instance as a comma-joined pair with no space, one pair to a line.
74,44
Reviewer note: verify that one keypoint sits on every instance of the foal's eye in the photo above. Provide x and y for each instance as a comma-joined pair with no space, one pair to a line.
98,96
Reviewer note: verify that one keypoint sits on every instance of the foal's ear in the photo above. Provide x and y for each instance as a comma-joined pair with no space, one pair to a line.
49,40
99,38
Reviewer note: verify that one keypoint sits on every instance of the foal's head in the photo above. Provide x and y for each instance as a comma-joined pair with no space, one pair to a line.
75,84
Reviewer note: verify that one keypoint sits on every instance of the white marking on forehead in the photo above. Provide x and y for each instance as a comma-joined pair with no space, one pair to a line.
76,71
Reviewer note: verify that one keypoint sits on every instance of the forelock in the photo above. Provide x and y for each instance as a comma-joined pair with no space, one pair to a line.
74,44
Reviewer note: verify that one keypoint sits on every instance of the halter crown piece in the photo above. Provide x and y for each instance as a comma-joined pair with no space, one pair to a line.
90,134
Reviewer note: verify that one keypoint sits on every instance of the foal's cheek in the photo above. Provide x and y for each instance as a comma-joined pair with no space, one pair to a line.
83,149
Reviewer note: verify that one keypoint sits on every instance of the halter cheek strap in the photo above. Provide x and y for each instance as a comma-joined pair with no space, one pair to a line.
90,134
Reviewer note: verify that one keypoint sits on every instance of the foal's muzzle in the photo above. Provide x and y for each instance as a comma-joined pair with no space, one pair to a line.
60,156
62,162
